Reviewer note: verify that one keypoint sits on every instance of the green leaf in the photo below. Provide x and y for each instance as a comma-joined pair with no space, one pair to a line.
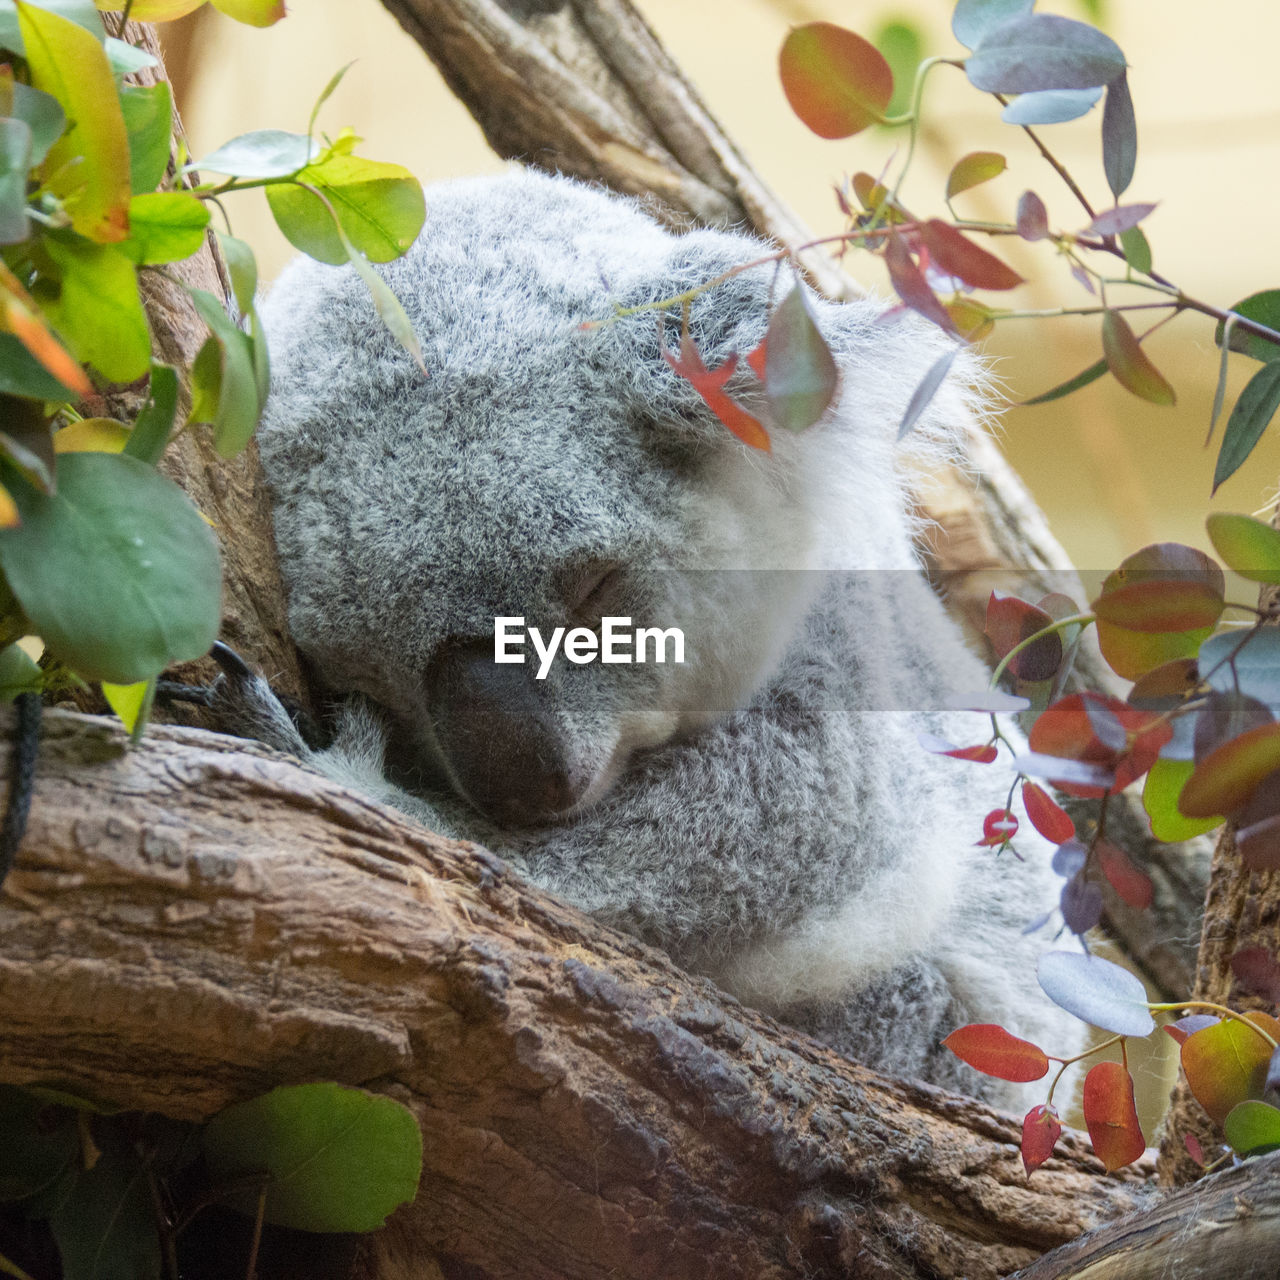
125,58
902,46
165,226
242,266
15,160
1043,51
1130,365
1119,136
1160,792
148,118
18,674
1247,545
380,207
972,19
334,81
972,170
1264,308
21,374
1137,252
1254,409
117,571
98,310
37,1144
224,373
800,376
82,12
153,426
105,1227
1252,1127
264,153
1091,374
44,116
88,167
1050,106
339,1159
836,82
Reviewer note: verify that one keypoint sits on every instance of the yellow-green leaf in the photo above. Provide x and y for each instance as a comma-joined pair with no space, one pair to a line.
88,167
1248,546
91,435
165,226
130,702
153,10
973,170
98,310
254,13
1160,792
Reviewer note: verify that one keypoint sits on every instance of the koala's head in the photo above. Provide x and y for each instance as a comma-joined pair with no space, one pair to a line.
555,473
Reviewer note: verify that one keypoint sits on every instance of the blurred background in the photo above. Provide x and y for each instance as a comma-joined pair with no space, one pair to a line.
1111,471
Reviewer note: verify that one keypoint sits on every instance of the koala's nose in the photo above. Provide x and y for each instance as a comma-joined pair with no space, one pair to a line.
501,749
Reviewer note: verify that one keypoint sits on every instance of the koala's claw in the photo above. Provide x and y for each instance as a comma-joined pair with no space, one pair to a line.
247,706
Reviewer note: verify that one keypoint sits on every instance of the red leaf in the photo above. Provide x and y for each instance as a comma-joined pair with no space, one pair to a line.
983,753
1127,879
709,384
998,827
1110,1116
960,257
1048,817
1066,729
910,285
1009,621
836,82
756,359
1194,1149
1040,1133
989,1048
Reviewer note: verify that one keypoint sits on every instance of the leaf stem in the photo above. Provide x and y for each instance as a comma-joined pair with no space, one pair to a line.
1216,1008
1054,162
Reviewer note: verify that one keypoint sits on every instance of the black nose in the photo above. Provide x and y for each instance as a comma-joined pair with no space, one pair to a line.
502,750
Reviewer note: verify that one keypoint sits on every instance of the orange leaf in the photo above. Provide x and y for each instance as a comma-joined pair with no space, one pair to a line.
1226,1063
709,384
989,1048
836,82
1124,876
1161,606
9,517
1110,1116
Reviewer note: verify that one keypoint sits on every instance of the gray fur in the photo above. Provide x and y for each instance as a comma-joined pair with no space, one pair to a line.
765,812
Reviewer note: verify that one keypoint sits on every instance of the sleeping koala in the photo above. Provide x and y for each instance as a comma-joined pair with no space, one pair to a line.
761,810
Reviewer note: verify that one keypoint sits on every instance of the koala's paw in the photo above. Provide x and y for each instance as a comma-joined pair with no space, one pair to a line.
246,705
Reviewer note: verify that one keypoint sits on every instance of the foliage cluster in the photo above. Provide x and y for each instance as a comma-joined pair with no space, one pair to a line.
118,1193
1199,726
102,557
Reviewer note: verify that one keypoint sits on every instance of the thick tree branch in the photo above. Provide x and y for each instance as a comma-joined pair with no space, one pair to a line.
195,921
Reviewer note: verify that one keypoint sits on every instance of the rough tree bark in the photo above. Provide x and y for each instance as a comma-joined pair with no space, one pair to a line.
196,921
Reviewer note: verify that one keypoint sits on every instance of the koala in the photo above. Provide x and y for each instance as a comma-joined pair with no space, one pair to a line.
762,810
